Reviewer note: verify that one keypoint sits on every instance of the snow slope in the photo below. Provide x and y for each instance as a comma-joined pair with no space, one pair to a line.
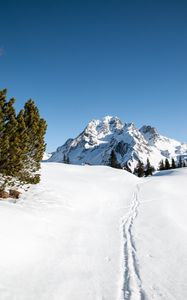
96,233
94,145
160,232
63,239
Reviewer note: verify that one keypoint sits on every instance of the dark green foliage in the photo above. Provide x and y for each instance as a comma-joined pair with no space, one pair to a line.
21,140
180,162
167,164
161,165
66,159
35,128
113,161
173,164
9,148
139,170
149,169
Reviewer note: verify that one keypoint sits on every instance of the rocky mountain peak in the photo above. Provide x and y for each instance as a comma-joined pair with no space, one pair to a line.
107,125
150,133
94,145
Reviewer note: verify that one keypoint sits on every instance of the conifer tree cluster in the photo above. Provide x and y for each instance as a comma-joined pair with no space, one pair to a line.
149,169
142,170
21,140
66,159
166,165
139,170
113,161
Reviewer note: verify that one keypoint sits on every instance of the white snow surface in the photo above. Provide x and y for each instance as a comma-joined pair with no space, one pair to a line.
96,233
160,234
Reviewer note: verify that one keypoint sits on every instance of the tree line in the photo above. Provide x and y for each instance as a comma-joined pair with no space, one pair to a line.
166,165
147,169
21,142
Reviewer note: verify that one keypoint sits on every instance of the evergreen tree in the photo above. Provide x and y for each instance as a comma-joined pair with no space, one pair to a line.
66,159
8,147
161,165
35,145
180,162
149,169
21,141
3,138
167,164
11,155
113,160
173,164
139,170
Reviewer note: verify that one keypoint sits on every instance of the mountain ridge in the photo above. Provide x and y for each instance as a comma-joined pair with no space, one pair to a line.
94,145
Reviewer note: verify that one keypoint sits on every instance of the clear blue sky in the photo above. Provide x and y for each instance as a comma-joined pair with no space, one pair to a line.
81,60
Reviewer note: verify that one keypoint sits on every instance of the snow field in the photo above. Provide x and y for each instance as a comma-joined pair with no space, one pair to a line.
160,232
96,233
63,239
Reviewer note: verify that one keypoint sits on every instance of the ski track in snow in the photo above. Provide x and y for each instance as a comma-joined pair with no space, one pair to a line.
132,286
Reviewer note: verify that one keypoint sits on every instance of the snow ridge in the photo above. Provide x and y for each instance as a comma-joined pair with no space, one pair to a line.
132,286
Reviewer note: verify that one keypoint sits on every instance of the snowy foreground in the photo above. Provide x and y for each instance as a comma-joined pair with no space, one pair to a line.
96,233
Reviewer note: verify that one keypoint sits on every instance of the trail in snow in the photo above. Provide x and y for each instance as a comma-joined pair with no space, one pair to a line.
132,287
62,240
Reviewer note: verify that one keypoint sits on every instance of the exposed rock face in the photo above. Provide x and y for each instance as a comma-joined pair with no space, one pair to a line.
94,145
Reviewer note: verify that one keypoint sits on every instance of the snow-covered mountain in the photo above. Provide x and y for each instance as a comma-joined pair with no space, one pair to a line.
46,156
94,145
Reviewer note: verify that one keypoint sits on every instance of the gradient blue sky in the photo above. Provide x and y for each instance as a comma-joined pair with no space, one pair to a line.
81,60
